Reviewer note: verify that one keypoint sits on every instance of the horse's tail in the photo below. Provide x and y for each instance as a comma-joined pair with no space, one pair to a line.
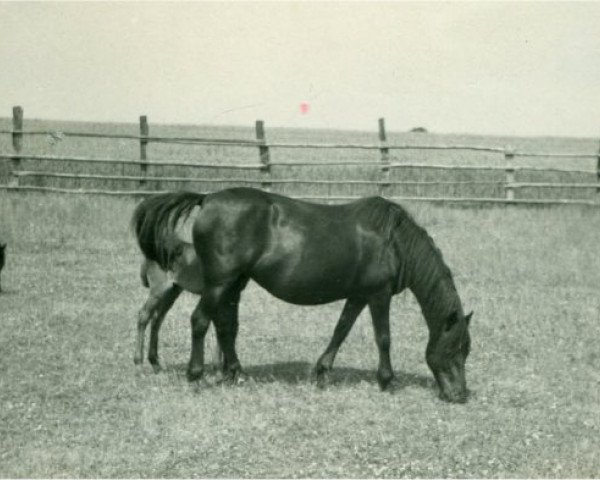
155,219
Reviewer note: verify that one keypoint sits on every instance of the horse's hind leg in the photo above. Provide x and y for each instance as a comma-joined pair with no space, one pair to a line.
219,305
165,303
380,313
226,327
352,309
144,316
200,321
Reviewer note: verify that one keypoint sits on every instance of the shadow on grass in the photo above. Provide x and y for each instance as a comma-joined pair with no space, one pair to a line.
294,373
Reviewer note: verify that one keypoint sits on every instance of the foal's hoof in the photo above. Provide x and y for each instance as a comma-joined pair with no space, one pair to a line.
137,360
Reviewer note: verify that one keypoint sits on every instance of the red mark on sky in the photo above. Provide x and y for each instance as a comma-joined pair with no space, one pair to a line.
304,108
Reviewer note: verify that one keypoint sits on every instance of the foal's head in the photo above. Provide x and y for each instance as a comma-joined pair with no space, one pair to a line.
2,259
446,356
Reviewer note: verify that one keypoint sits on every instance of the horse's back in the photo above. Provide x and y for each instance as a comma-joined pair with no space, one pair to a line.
301,252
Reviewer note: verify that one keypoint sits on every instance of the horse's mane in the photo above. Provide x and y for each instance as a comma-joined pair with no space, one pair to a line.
423,266
155,219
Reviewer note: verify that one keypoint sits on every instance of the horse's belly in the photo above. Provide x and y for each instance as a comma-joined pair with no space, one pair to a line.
303,293
305,283
333,277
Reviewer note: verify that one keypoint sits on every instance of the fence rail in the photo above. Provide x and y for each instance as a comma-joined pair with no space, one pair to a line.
56,158
260,166
22,174
36,173
266,144
328,198
148,183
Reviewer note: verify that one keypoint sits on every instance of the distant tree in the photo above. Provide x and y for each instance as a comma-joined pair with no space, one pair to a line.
419,130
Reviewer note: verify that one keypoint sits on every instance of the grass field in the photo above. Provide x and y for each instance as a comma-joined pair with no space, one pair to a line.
72,404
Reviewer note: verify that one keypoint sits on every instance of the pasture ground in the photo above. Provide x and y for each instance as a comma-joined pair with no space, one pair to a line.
72,404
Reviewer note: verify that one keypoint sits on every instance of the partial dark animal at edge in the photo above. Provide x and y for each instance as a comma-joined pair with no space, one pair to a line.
307,254
2,261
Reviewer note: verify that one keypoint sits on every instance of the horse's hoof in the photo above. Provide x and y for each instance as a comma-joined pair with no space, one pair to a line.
137,360
236,377
156,367
194,375
323,380
384,381
321,376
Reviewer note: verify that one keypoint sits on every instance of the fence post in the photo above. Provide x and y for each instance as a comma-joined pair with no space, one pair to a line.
385,158
144,130
263,152
17,141
509,156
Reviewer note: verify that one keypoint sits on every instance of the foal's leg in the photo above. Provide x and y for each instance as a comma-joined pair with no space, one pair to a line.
153,310
166,302
380,313
352,309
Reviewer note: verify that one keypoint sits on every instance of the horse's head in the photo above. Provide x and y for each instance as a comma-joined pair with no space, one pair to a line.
446,356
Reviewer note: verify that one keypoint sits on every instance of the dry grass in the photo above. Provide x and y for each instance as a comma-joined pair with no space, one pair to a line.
73,404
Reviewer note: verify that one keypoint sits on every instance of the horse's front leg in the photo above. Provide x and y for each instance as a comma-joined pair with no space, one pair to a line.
350,313
154,310
380,313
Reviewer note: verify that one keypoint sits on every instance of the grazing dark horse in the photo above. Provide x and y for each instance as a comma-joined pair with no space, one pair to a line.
309,254
2,260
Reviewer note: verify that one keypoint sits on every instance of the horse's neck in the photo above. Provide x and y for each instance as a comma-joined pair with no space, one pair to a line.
437,302
432,285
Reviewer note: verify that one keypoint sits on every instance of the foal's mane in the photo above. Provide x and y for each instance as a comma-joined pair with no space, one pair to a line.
155,219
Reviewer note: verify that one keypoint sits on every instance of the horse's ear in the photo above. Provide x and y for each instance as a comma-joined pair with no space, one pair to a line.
468,318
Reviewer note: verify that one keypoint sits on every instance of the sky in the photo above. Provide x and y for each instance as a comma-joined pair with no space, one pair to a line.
508,68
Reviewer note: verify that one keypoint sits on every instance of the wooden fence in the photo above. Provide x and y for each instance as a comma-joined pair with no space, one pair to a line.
264,164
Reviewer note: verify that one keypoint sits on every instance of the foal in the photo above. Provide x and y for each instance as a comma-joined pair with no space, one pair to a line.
164,289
